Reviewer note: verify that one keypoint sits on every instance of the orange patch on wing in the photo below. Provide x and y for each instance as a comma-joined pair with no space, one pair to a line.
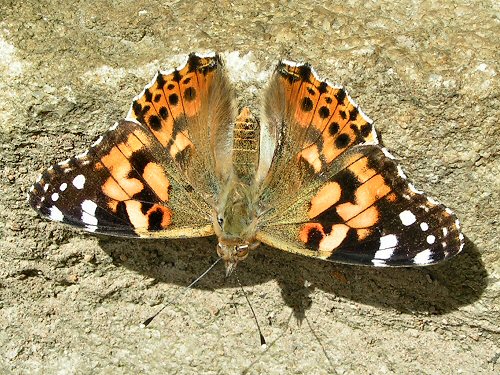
306,228
113,205
361,170
120,167
366,195
311,155
365,219
391,197
363,233
135,215
326,197
155,177
180,143
334,239
142,221
166,214
113,190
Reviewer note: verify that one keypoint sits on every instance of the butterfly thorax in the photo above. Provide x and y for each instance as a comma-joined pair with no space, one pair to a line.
236,216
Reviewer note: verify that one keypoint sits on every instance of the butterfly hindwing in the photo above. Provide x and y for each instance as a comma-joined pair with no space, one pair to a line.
348,200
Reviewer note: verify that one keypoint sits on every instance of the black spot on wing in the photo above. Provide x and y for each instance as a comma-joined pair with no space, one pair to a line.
324,112
342,141
176,76
148,95
304,71
173,99
139,159
160,81
353,114
307,104
333,129
155,219
314,237
349,183
323,87
190,94
366,130
163,113
340,96
154,122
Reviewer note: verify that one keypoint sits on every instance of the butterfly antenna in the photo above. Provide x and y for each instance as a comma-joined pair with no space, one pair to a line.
179,294
262,339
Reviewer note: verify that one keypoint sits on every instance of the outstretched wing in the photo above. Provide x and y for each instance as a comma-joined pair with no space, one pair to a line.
345,199
154,174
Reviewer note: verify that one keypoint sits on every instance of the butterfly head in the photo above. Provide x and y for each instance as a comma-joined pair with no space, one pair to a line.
233,253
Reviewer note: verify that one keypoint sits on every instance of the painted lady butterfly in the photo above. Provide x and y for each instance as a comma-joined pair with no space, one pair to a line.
311,178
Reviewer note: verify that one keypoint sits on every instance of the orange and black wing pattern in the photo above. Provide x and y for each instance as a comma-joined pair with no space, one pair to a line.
348,199
135,180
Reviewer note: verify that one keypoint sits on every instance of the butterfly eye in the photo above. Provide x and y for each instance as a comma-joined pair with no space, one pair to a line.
242,251
220,221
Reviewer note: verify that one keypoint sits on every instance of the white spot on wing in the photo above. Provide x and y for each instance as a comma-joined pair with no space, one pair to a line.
55,214
407,217
63,186
378,262
387,153
384,254
88,212
82,155
79,181
401,173
387,242
96,143
432,200
89,206
431,239
54,197
424,226
414,189
115,125
45,187
424,257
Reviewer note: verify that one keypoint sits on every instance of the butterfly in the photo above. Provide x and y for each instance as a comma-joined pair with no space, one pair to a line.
309,178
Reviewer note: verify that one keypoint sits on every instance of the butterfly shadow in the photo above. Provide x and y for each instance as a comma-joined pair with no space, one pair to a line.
434,290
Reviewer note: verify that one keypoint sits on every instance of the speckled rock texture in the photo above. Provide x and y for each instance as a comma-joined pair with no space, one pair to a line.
71,303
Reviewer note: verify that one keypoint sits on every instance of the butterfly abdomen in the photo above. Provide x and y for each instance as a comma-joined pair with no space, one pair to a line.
246,145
